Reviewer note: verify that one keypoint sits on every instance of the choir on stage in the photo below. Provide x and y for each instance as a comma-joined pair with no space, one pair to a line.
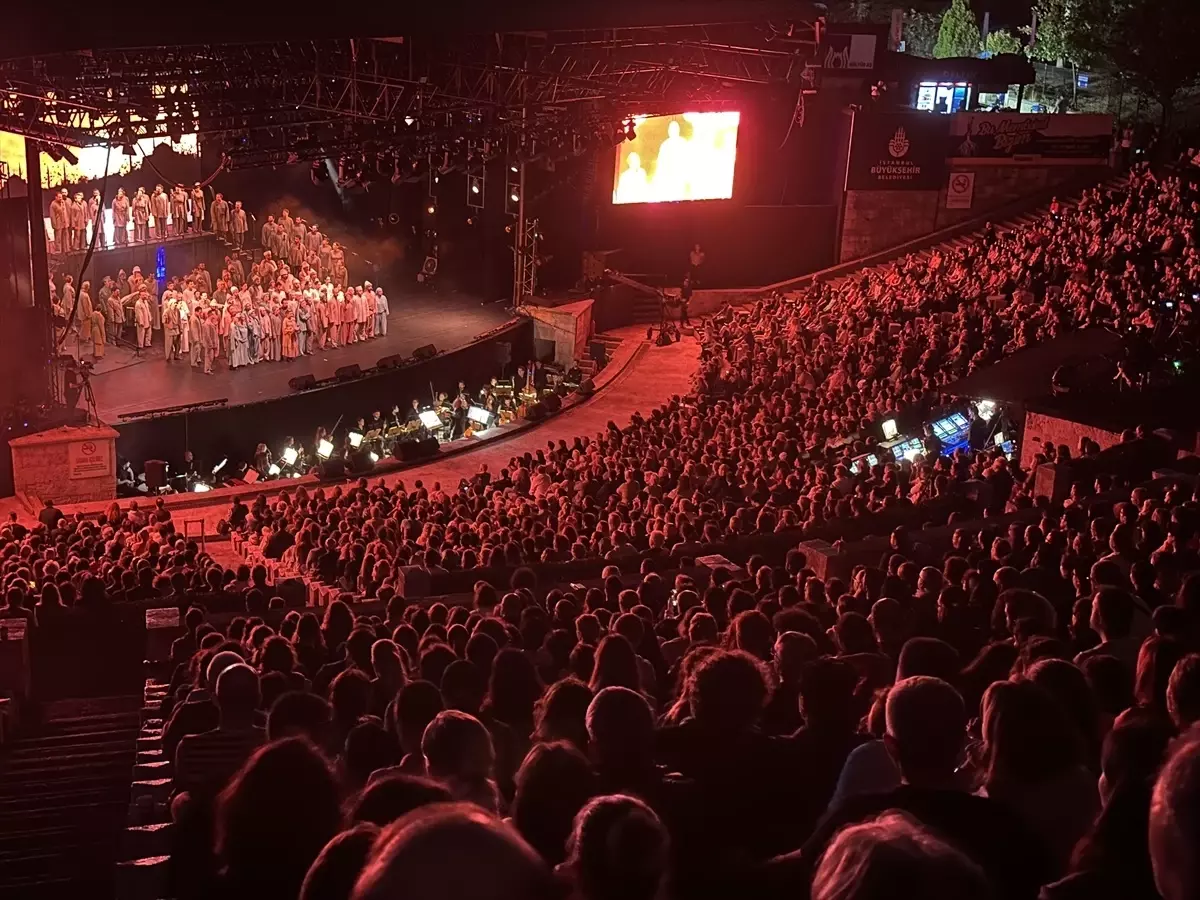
158,216
292,302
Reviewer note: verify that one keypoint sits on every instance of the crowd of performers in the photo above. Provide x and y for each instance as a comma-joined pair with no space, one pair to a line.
156,216
278,309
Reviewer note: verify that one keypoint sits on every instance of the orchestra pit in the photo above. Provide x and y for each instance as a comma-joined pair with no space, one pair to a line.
608,452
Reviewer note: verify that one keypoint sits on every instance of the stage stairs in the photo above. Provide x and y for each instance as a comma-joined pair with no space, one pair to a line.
64,798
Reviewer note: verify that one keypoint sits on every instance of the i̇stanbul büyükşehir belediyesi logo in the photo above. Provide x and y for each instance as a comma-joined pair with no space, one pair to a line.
897,168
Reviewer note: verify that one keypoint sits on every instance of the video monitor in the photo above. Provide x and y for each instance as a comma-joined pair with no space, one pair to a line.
690,156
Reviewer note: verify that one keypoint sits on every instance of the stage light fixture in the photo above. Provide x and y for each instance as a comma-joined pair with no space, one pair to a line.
513,169
630,130
289,456
273,470
201,488
356,439
475,188
71,159
325,448
431,209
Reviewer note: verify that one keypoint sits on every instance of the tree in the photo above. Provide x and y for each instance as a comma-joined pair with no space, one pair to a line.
1151,43
1053,42
1003,41
959,32
920,32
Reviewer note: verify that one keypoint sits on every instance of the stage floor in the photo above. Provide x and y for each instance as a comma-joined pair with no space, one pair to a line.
124,383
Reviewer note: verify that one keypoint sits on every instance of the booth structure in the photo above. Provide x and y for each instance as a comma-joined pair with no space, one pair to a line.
66,465
568,327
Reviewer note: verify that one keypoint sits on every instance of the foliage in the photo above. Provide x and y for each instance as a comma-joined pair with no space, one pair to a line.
1055,31
958,34
920,32
1151,43
1003,41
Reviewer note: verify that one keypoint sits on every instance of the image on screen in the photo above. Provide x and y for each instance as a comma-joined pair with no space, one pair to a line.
689,156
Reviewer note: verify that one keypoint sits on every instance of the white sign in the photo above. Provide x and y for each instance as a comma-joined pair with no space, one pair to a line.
89,459
960,192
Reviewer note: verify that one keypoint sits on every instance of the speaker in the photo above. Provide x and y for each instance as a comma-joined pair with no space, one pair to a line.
394,361
599,353
304,382
552,403
348,373
428,447
360,461
427,352
156,474
333,468
535,413
587,387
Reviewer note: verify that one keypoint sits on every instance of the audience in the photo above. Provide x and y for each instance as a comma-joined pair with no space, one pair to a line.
1007,711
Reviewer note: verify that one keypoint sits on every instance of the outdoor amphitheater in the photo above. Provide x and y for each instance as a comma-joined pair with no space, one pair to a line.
590,454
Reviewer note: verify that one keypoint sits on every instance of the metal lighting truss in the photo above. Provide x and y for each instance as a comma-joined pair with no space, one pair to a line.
273,103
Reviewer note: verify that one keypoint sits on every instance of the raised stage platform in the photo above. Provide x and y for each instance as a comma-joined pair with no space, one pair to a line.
125,383
472,340
178,257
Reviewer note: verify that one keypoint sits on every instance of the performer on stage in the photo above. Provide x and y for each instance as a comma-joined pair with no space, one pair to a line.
381,313
120,214
96,217
220,217
78,217
160,208
198,207
60,220
237,224
141,216
179,205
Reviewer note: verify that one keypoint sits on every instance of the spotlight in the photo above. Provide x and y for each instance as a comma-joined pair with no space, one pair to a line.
325,449
513,169
475,187
356,439
515,196
431,209
201,488
408,120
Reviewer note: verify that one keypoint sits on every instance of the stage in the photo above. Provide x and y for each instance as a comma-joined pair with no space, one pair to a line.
125,383
174,255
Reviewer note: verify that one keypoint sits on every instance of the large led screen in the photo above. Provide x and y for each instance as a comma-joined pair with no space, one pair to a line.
685,157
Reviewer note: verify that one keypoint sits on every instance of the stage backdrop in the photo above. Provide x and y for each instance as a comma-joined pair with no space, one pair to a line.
897,151
1010,138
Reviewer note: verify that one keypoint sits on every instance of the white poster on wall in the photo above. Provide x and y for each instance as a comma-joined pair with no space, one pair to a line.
88,459
960,191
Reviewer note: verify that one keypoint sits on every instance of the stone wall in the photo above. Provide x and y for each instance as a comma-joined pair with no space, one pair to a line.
66,465
875,220
999,186
1040,427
